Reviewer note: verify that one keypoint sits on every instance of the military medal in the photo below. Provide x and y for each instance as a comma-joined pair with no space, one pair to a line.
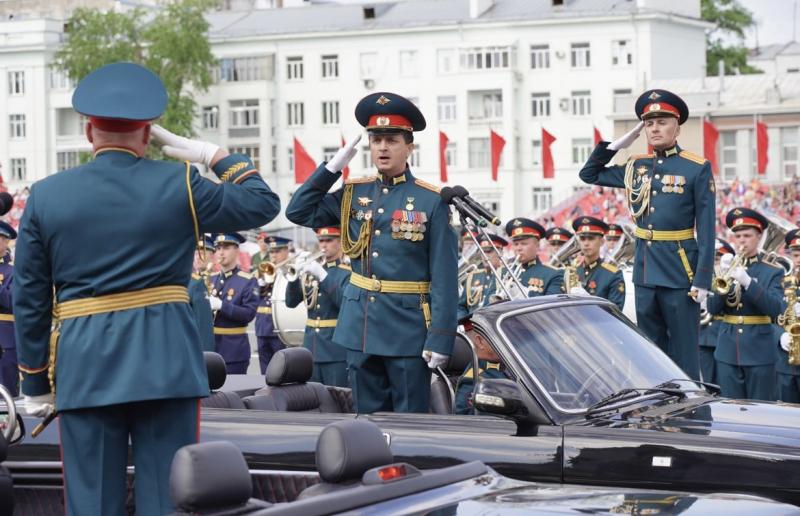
409,203
230,293
360,215
367,214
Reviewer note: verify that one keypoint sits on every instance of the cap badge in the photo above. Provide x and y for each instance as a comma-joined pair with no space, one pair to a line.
585,220
653,96
382,120
737,211
654,107
382,100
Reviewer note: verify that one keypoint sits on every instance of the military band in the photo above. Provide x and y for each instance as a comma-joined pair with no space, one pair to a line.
9,374
596,277
788,370
710,323
200,291
556,237
480,284
538,278
267,339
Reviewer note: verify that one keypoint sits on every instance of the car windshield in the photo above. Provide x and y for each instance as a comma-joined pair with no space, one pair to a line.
581,353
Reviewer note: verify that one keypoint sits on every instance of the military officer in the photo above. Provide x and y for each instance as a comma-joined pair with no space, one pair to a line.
107,247
670,194
320,287
9,375
268,341
398,315
745,351
613,234
481,284
234,300
199,293
788,375
709,329
556,237
489,366
596,277
539,279
262,255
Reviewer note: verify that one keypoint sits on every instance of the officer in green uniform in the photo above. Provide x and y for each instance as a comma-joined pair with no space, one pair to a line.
788,375
709,331
540,279
596,278
671,195
320,287
262,255
107,247
745,351
398,314
9,374
480,285
556,237
489,366
199,294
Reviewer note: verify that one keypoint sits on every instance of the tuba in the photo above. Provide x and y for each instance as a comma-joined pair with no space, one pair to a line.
624,250
773,240
563,260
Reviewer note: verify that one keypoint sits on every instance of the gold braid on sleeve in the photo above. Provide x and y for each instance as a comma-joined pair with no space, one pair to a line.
360,247
636,194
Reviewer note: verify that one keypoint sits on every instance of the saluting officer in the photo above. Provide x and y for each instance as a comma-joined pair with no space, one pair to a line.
321,287
107,247
481,284
745,351
709,332
788,376
596,277
9,374
539,278
234,300
268,341
556,238
399,310
199,293
670,194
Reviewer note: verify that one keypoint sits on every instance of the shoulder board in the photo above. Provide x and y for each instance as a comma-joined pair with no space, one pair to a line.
359,180
551,267
427,186
691,156
345,267
243,274
610,267
641,156
195,276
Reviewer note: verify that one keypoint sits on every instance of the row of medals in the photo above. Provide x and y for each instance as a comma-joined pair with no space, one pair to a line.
406,229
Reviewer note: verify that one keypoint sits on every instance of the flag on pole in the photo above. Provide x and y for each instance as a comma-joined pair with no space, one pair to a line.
597,136
304,166
443,141
762,144
496,147
710,139
346,170
548,168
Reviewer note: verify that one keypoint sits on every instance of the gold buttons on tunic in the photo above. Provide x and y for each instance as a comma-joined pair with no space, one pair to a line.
372,299
377,232
380,210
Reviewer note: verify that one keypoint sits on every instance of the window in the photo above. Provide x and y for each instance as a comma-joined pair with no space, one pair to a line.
485,105
368,65
540,57
621,53
242,69
69,123
540,105
537,152
210,117
450,155
728,154
790,158
16,127
479,153
485,58
446,60
251,150
581,149
18,169
244,113
294,68
446,108
408,63
67,159
330,67
16,83
295,114
542,198
581,103
60,81
366,158
330,112
413,160
329,152
274,159
580,56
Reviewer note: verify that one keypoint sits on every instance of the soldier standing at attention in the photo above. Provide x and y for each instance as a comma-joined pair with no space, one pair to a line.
670,195
268,341
9,374
124,352
398,315
234,300
539,278
596,277
199,294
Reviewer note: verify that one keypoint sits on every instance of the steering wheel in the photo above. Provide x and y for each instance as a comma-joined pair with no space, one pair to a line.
11,421
583,390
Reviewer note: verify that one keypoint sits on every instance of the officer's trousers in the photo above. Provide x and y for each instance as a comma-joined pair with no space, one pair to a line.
747,382
267,347
788,387
389,384
94,449
9,371
708,365
671,319
330,373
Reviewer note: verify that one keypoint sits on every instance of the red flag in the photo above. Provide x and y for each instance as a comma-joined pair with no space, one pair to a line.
443,141
303,164
710,138
762,142
548,169
346,170
597,137
496,144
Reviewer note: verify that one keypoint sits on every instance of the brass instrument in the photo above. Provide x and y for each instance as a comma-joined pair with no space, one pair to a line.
788,319
563,259
773,239
624,250
723,284
294,264
571,279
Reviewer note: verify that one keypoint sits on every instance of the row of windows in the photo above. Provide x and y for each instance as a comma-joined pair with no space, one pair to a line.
295,70
736,156
580,55
243,114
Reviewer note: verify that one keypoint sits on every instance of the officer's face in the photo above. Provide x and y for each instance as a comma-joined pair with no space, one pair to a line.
795,253
227,255
555,245
662,132
389,153
747,241
494,258
3,245
262,246
278,255
526,249
331,247
590,245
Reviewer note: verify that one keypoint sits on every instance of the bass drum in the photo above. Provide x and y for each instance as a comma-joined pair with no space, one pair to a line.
290,323
630,296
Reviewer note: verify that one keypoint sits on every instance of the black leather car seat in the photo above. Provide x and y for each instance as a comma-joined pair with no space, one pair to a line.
443,388
215,365
288,388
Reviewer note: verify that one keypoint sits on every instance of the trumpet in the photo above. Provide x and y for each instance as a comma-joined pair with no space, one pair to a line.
723,284
294,265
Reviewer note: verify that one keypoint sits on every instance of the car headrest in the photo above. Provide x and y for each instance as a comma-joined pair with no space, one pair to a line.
347,449
290,365
215,366
461,358
208,476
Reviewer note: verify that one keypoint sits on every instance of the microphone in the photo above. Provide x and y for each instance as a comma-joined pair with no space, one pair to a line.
462,192
6,203
449,196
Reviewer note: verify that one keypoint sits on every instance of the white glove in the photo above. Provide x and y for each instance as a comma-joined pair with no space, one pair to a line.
316,270
261,282
343,156
740,275
215,302
184,149
797,309
627,139
700,295
435,359
40,406
725,262
786,340
579,291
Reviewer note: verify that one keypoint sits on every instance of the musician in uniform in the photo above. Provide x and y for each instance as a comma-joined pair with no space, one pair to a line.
398,315
262,255
268,341
745,351
199,292
540,279
480,284
320,287
234,300
596,277
9,374
788,375
107,247
709,332
671,194
556,238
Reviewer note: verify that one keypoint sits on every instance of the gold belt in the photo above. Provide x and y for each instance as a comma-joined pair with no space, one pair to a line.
321,323
7,317
264,309
747,319
121,301
230,331
389,286
652,234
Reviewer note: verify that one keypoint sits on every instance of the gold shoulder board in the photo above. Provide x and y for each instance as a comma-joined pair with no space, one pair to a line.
640,156
427,186
359,180
195,276
246,275
610,267
691,156
345,267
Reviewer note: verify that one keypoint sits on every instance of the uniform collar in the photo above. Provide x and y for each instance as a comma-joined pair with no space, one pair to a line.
532,262
230,273
396,180
752,260
672,151
115,150
591,266
333,263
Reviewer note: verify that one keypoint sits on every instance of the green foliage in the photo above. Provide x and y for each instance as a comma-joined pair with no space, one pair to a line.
731,20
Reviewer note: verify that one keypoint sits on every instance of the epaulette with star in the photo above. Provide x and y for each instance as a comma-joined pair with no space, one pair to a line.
427,186
691,156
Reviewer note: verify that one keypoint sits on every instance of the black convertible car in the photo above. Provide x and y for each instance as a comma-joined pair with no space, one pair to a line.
585,399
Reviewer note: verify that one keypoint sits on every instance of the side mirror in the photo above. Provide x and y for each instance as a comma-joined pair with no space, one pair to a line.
505,398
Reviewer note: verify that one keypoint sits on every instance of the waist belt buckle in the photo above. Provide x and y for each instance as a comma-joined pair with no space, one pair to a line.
648,234
376,285
741,319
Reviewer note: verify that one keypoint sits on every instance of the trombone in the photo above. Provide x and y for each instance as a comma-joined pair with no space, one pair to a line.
511,279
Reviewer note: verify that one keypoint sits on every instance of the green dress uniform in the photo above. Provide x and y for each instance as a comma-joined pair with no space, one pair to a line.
540,279
403,290
787,375
709,333
108,246
481,284
597,278
672,195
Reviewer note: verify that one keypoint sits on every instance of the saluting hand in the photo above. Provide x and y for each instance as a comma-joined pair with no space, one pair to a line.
184,149
627,139
343,156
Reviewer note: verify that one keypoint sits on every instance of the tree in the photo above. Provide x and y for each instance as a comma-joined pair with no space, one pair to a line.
171,42
731,19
